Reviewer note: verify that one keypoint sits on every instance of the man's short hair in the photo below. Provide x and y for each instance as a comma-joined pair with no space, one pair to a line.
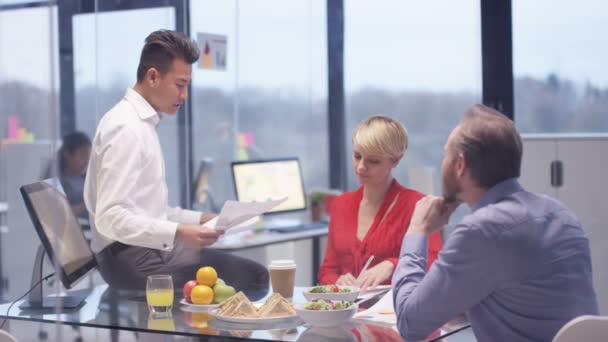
161,48
490,144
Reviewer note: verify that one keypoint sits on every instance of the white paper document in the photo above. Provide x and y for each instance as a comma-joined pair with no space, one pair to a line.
381,312
373,292
238,216
247,225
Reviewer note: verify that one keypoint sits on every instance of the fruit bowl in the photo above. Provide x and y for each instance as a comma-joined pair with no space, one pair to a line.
187,306
206,292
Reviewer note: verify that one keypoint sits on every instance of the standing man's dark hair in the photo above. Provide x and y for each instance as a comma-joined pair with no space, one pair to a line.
161,48
490,144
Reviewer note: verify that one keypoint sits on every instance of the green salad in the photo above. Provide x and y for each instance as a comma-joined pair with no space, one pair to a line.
328,289
327,305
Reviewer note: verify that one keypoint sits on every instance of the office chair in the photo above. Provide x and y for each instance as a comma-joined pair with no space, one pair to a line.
6,337
584,328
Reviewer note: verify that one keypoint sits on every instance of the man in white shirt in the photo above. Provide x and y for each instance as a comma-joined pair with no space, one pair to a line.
135,232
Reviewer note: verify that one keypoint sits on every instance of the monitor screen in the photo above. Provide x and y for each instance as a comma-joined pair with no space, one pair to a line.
261,180
59,231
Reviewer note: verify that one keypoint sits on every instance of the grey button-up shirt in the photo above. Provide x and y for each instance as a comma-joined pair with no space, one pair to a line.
519,265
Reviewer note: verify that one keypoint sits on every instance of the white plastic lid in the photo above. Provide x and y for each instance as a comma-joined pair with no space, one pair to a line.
282,264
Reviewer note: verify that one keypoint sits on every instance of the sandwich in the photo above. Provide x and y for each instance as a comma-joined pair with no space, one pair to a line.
238,306
276,306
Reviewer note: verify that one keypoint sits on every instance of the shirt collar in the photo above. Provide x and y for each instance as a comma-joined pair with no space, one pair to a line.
498,192
144,109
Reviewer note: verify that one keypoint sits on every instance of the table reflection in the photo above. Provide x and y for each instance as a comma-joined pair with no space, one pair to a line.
128,311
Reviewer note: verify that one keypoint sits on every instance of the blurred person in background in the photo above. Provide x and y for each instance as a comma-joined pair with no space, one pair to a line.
70,167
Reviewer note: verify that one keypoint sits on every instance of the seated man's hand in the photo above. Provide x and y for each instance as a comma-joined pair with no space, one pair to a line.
195,236
346,279
376,275
430,214
206,217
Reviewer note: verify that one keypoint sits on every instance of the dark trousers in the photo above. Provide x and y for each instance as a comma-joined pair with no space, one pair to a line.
127,267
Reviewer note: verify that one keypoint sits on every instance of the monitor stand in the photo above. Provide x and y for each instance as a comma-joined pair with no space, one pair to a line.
35,300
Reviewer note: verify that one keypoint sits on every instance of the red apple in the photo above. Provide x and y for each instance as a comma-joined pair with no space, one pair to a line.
188,288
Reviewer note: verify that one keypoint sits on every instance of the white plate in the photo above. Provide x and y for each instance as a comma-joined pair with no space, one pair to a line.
251,320
196,307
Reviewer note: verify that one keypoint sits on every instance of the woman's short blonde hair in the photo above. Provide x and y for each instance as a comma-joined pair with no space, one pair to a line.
381,135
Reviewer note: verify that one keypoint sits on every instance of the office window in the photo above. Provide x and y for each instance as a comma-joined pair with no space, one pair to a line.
28,70
419,62
270,102
559,66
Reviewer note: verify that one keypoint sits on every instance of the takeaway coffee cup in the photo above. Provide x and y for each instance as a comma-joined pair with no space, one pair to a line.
283,277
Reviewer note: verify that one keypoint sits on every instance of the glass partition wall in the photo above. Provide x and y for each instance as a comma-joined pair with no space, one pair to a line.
270,100
29,130
29,136
63,65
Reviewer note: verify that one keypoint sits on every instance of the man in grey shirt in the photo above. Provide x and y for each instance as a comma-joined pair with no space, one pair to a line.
519,265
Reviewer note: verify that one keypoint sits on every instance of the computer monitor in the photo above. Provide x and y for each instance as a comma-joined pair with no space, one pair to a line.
59,231
260,180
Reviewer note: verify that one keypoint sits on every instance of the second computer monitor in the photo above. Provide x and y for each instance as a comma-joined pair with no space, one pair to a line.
261,180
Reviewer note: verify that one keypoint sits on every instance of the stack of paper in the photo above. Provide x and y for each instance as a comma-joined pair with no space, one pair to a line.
239,216
381,312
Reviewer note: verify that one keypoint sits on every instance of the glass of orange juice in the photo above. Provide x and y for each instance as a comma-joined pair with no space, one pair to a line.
161,321
159,293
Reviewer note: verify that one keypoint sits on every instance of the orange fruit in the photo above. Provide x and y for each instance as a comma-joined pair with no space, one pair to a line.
206,276
201,294
208,331
197,319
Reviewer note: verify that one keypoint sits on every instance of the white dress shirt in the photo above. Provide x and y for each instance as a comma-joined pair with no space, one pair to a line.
125,189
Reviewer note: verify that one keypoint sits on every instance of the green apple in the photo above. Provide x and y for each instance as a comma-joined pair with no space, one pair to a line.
220,281
221,292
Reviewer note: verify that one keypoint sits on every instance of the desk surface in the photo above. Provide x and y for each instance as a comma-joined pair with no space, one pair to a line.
104,309
240,242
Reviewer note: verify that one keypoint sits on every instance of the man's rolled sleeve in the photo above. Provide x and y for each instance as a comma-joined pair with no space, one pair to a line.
184,216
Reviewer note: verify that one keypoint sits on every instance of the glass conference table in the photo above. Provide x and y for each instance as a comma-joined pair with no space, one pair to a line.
128,311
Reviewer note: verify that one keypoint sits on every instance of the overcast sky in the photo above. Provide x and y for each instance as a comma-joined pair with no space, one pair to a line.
391,44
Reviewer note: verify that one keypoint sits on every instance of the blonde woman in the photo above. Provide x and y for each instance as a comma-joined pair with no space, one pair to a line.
373,219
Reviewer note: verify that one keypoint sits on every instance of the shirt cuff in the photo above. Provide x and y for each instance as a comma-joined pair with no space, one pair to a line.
415,243
189,216
166,235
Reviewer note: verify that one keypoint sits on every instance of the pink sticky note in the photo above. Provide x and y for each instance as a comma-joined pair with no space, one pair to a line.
248,139
13,127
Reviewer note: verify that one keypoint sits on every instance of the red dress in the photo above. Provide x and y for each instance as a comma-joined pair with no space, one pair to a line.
345,253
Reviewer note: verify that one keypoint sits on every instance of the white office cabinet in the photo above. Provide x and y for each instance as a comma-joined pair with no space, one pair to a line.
582,188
